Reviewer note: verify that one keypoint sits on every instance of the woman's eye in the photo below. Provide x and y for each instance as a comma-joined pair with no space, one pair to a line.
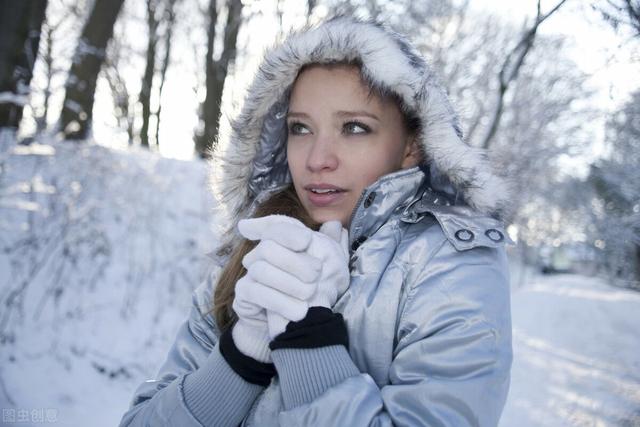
356,128
349,128
297,128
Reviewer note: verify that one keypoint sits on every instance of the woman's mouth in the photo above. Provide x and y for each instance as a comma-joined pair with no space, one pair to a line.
324,194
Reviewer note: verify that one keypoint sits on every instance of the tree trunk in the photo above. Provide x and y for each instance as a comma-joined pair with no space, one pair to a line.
511,67
77,110
216,73
201,136
170,18
149,71
20,24
47,58
120,95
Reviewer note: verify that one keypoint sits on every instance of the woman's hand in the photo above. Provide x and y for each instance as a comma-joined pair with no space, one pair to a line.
278,280
309,267
250,333
330,245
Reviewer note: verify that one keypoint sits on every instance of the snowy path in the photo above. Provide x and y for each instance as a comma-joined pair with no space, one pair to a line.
576,354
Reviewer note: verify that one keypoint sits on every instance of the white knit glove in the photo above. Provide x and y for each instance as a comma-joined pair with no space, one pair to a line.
281,285
331,245
309,267
250,333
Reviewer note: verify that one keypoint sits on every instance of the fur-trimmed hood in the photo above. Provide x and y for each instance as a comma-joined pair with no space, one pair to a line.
250,156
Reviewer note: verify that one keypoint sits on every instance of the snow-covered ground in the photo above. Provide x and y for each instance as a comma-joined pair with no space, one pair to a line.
576,347
99,252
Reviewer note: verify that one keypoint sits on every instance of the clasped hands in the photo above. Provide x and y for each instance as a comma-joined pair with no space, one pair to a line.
291,269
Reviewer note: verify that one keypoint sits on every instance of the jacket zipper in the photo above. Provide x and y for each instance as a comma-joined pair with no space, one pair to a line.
353,215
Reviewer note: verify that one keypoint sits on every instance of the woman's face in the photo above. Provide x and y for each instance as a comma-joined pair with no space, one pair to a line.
340,140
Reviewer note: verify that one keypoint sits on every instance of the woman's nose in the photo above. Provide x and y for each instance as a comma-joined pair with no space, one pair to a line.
322,155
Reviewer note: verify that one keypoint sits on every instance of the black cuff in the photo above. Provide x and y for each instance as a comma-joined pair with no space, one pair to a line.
321,327
250,369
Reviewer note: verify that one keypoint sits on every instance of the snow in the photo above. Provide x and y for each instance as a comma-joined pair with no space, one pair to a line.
576,354
100,250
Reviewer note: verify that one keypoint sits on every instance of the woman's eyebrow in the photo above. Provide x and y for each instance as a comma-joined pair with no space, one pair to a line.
296,114
343,113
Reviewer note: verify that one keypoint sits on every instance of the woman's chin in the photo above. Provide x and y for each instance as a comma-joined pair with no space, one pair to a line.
322,217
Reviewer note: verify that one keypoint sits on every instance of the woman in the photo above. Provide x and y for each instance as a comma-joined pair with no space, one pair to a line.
367,283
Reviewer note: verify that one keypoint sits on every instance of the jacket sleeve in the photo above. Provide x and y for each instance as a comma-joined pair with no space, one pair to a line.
451,365
195,386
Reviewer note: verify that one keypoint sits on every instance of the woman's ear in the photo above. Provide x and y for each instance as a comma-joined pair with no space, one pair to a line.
412,155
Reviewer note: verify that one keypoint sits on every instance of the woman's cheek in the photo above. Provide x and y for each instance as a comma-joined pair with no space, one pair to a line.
295,160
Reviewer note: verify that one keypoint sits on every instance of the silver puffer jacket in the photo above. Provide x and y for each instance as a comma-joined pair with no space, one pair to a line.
428,306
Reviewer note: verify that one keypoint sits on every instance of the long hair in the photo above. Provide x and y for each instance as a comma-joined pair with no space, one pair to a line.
285,202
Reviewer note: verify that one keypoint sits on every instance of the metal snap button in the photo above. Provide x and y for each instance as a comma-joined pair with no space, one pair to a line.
464,235
494,235
370,198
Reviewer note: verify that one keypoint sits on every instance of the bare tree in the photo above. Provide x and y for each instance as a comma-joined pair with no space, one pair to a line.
117,63
149,69
167,38
543,116
77,109
543,113
615,206
203,135
621,13
543,122
52,32
47,59
20,24
120,94
511,66
216,72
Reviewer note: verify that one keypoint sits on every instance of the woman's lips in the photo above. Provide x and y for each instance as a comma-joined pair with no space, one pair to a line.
325,199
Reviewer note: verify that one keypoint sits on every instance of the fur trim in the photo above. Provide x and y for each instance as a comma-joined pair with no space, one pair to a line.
242,163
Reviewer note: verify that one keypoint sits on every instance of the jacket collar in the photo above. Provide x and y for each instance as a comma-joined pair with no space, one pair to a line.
392,193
